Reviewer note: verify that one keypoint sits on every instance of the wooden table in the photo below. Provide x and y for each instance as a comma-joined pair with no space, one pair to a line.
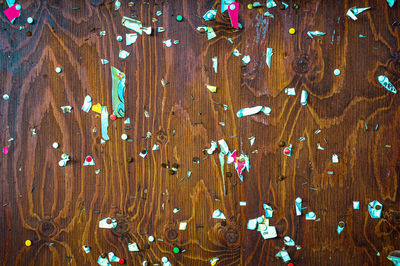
59,208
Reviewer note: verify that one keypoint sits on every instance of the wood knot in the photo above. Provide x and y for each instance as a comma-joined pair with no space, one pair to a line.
301,64
122,227
231,236
172,234
48,228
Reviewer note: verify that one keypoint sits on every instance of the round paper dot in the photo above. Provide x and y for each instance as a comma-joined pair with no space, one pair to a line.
18,7
124,136
179,18
232,7
6,97
151,238
250,6
336,72
292,31
29,20
28,243
164,259
88,159
119,38
55,145
61,163
176,250
58,69
113,117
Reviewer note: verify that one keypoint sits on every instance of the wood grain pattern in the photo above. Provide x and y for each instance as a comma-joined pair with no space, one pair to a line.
59,208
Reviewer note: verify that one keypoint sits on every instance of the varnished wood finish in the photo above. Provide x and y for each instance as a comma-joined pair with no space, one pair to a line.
59,208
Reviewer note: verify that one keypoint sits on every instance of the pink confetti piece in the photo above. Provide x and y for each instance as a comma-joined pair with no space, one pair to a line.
5,149
12,13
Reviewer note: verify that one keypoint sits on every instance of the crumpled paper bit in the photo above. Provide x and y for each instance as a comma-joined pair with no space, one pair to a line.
354,11
66,109
130,38
384,81
284,255
394,256
270,4
268,210
214,261
297,203
133,247
311,34
103,261
213,147
211,33
217,214
118,91
288,241
375,209
211,88
123,54
253,110
215,63
340,227
246,59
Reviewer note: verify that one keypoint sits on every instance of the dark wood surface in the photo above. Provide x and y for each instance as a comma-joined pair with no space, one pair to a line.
58,209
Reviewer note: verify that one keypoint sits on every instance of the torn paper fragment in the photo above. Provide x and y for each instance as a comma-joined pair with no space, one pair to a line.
319,147
87,104
211,33
268,57
168,43
233,11
127,122
211,88
66,109
113,258
290,91
270,4
284,255
242,203
104,61
269,233
311,34
210,15
118,91
384,81
215,63
133,247
108,223
375,209
225,4
217,214
268,211
88,161
160,29
103,261
252,224
104,123
123,54
96,108
86,249
155,147
246,59
143,153
130,38
213,147
10,3
256,4
147,30
297,203
13,12
391,2
311,216
340,227
182,226
5,149
132,24
303,97
335,158
267,14
253,110
241,164
354,11
288,241
356,205
252,140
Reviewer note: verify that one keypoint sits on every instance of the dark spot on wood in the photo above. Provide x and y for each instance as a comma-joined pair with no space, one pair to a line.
231,236
172,234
